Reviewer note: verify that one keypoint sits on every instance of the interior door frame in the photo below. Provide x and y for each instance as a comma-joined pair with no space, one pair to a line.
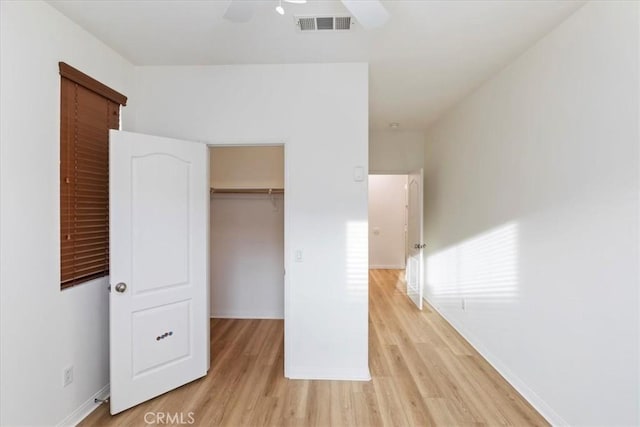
409,172
266,142
422,262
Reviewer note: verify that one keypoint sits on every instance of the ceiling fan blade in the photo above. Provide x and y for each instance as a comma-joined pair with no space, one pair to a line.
370,13
239,11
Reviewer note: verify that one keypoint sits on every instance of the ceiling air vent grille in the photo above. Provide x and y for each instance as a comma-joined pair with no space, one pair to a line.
343,22
307,24
323,23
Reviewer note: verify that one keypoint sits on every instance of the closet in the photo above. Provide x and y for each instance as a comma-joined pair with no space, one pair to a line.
247,232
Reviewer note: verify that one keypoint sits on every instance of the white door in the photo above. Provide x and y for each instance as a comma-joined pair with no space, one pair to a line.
159,330
414,273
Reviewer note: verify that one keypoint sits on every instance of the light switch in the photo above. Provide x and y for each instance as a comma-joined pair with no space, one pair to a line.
376,231
358,174
299,255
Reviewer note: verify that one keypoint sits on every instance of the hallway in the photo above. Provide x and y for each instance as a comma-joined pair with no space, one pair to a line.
423,373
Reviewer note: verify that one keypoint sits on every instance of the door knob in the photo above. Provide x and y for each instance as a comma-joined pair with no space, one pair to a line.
121,287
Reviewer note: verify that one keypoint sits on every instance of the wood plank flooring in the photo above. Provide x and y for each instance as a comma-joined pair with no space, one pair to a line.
423,373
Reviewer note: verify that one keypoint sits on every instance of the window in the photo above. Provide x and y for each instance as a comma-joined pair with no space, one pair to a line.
88,109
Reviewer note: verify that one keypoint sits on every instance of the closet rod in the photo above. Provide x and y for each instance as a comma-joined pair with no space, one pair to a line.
248,190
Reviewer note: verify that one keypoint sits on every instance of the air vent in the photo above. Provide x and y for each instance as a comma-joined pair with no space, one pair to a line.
343,22
307,24
323,23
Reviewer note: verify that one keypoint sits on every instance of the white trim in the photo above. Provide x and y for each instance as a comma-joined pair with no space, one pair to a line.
288,348
314,374
239,315
529,395
74,418
387,267
208,272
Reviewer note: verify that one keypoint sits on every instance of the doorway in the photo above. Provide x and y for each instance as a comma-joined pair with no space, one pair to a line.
388,222
247,232
395,229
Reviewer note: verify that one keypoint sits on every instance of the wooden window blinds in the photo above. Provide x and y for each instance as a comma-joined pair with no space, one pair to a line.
88,109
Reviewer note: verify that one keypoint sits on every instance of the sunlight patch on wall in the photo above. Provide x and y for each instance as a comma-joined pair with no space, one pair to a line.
482,269
357,258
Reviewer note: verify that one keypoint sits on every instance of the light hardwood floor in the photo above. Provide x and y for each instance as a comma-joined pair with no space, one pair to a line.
423,373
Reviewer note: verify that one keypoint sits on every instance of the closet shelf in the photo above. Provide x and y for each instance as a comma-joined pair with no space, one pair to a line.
247,190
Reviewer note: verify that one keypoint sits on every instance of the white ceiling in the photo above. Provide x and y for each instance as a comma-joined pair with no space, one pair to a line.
427,57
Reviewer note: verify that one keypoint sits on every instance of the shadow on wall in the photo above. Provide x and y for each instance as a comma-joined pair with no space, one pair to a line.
357,259
481,269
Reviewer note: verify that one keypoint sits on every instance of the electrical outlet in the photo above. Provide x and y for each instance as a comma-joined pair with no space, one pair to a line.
67,376
463,304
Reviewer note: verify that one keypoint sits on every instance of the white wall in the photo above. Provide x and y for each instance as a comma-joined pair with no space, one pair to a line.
531,215
396,151
320,111
247,167
247,256
44,329
387,218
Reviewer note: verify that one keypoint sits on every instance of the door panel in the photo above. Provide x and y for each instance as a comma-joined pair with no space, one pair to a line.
159,211
414,273
160,183
169,326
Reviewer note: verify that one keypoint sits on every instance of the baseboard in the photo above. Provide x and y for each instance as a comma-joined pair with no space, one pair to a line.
85,409
527,393
235,315
314,374
387,267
